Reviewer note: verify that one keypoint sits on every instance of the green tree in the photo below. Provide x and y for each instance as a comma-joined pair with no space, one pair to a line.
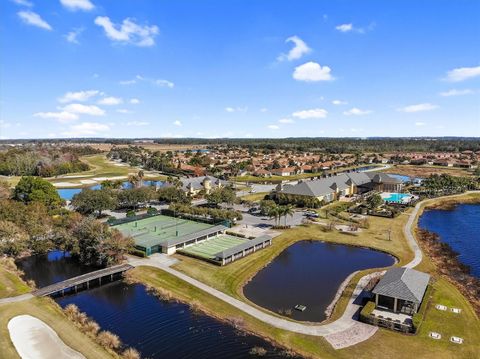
374,201
89,201
133,197
13,240
36,189
172,194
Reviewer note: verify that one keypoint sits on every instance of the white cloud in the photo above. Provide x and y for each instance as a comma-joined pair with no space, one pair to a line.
62,116
312,113
350,28
312,71
236,109
72,36
339,102
86,129
23,3
32,18
78,96
286,120
74,5
463,73
157,82
419,124
123,110
134,101
138,123
454,92
299,49
110,101
273,127
264,109
128,32
164,83
177,123
356,112
344,27
79,108
418,108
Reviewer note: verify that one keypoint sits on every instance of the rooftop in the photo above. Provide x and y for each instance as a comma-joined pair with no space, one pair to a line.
403,283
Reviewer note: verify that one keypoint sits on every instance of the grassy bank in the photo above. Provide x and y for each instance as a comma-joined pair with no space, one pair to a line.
10,283
50,313
254,197
384,344
424,171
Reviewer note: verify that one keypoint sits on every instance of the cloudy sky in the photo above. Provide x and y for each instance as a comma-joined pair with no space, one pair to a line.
239,68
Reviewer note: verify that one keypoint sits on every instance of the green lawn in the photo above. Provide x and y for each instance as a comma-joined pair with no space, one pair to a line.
254,197
10,284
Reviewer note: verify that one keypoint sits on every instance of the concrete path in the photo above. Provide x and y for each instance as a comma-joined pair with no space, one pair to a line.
408,231
18,298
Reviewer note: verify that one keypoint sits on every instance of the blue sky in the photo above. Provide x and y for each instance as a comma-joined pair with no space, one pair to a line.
270,68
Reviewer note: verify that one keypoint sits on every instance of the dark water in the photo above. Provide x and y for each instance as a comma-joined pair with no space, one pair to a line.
310,273
156,328
460,228
68,193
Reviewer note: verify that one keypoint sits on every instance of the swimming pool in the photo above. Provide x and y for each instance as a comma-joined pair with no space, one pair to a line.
397,197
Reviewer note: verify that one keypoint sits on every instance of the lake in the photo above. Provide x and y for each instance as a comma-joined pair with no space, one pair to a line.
460,228
309,273
158,329
68,193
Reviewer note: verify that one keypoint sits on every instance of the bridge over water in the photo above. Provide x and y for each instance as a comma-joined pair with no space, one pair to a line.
83,281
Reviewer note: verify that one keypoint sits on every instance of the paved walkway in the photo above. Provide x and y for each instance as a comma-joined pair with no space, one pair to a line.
18,298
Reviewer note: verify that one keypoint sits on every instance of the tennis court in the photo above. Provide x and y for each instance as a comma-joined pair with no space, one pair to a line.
209,248
149,233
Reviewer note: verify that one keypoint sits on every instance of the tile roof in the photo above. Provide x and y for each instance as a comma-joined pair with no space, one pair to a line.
403,283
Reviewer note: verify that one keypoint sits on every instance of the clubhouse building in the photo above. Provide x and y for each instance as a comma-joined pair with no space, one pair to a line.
344,185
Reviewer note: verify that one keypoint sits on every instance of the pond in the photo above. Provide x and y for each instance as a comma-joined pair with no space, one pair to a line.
309,273
158,329
460,228
68,193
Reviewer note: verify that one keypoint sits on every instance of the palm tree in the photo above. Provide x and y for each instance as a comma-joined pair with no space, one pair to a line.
140,176
133,180
287,211
274,212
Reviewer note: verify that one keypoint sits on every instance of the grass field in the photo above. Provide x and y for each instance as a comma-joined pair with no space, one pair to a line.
425,171
153,230
209,248
10,284
49,312
255,197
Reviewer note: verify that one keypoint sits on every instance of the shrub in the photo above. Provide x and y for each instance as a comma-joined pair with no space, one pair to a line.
367,309
137,252
131,213
130,353
152,210
259,351
108,340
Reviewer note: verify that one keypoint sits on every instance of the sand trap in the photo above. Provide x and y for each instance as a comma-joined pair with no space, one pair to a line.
120,164
65,184
88,181
33,339
110,178
75,176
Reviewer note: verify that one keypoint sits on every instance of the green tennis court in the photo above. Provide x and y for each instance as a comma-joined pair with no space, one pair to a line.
209,248
150,232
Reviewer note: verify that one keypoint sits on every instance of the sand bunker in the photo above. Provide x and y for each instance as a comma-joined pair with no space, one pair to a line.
33,339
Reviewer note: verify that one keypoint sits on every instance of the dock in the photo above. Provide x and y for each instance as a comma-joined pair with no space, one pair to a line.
83,281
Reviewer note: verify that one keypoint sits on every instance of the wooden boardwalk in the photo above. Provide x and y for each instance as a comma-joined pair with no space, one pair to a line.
75,282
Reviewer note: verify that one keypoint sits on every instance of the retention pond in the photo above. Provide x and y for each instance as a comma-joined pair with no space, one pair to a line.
158,329
309,273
